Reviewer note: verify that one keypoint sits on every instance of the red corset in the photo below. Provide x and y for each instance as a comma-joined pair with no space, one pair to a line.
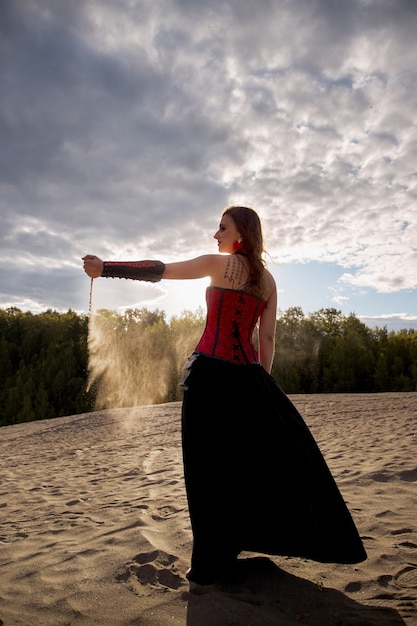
231,318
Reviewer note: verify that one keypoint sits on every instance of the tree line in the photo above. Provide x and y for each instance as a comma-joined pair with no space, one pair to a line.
54,364
328,352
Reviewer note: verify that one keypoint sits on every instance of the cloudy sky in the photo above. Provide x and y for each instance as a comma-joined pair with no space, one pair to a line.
126,126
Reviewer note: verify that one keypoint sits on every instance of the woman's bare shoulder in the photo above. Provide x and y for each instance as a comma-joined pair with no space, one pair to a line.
270,285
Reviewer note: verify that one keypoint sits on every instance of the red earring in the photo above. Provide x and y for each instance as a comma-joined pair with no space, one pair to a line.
237,245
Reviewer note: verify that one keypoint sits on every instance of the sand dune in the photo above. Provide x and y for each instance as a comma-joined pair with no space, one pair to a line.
94,524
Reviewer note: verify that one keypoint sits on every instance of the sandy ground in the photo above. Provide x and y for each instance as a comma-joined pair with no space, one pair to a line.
94,526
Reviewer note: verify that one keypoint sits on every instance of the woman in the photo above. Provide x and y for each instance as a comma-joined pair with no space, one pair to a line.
254,475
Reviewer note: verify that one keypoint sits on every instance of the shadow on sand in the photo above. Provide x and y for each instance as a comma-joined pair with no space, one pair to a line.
271,596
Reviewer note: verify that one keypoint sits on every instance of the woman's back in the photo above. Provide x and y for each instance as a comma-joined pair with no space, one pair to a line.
231,319
232,272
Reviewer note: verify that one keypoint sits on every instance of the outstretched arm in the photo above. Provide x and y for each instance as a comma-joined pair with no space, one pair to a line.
151,270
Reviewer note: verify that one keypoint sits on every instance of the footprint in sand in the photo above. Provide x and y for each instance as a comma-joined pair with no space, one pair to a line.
353,587
409,476
407,577
384,580
401,531
150,571
165,512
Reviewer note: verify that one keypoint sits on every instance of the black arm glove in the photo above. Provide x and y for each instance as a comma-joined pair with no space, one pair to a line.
150,271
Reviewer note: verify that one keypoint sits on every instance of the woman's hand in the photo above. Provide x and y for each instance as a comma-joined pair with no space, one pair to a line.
93,266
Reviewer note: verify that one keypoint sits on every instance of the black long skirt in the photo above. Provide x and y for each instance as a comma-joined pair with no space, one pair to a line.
255,477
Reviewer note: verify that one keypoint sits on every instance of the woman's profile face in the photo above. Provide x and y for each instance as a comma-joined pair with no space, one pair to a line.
227,234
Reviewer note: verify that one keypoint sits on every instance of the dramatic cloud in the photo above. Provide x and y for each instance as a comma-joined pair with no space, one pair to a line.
125,128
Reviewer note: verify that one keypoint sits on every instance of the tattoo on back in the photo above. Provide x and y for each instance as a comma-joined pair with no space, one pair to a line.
234,270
